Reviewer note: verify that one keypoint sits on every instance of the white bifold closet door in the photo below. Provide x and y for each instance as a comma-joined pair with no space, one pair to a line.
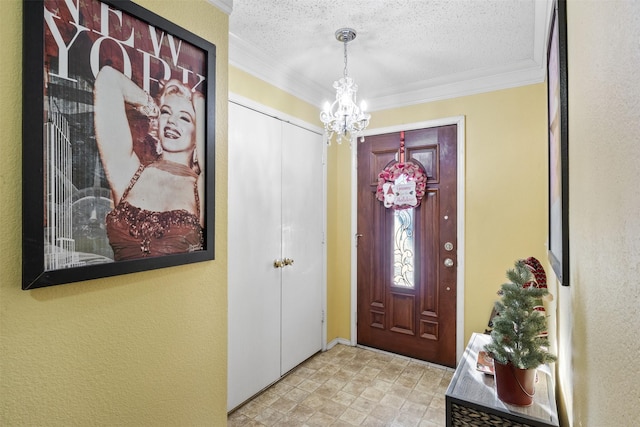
275,211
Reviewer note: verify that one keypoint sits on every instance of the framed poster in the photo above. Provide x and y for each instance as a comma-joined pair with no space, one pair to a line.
558,144
118,142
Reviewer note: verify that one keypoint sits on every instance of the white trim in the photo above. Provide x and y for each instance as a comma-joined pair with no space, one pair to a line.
272,112
337,341
324,243
246,57
277,114
461,176
461,85
224,5
354,244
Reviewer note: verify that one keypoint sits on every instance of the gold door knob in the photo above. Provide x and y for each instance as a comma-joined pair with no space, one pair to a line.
288,261
278,263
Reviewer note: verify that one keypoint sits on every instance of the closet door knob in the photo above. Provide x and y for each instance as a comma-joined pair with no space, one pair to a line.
288,261
278,264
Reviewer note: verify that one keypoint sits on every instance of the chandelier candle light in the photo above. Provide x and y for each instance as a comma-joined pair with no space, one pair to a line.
344,116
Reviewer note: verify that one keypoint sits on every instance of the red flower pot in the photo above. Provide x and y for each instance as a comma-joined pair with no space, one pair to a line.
514,385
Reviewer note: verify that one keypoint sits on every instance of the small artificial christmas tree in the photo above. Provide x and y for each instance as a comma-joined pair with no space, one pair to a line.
518,329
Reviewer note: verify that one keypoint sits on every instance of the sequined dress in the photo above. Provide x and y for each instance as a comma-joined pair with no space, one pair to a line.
136,233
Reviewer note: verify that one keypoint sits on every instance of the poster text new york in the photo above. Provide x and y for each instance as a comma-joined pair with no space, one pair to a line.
157,53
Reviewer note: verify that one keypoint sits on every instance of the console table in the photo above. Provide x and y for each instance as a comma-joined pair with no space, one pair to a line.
472,400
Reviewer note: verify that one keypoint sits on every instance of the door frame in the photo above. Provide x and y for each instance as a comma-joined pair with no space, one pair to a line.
460,122
277,114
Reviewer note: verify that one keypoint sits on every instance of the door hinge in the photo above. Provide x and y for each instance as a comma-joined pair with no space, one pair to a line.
322,318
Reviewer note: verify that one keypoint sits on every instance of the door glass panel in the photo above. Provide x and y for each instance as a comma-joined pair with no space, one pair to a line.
403,248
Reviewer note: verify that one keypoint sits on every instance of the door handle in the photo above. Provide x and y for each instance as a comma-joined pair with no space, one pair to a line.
287,261
448,262
278,264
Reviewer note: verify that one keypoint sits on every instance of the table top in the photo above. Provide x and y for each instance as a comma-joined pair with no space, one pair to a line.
470,385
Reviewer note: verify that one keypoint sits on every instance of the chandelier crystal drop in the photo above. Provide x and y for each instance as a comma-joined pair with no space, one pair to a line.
344,117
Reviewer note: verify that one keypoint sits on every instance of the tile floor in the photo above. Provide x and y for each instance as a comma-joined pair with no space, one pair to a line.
352,386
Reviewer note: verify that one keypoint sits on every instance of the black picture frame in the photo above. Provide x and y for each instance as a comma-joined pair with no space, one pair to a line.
63,49
558,114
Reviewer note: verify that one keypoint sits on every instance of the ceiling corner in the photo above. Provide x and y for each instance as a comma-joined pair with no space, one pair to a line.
224,5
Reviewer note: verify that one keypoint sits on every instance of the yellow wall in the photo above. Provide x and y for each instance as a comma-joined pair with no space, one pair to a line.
139,349
248,86
506,187
598,315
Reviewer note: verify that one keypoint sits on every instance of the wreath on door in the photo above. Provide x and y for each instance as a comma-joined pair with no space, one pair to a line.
401,185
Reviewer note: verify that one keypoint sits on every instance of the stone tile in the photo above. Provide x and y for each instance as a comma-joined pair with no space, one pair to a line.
407,380
355,387
283,405
353,416
373,394
435,415
382,385
297,395
413,408
320,420
308,385
251,409
293,379
303,371
406,420
327,390
314,401
424,398
281,388
333,409
266,398
392,401
373,422
363,405
300,413
351,386
344,398
384,413
269,417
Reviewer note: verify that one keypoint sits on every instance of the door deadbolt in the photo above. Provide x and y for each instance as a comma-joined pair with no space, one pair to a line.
448,246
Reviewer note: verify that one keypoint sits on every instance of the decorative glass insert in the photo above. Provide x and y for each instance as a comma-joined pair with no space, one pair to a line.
403,248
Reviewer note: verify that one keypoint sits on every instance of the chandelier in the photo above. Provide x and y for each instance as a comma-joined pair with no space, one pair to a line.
344,117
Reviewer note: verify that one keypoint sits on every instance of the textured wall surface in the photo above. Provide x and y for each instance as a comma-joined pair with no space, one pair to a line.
598,315
139,349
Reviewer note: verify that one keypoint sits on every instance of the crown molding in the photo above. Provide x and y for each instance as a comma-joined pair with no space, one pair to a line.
253,61
526,73
224,5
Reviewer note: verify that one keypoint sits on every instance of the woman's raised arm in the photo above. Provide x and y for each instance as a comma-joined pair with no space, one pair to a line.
112,90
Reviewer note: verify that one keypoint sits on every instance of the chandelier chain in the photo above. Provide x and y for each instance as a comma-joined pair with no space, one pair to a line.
345,58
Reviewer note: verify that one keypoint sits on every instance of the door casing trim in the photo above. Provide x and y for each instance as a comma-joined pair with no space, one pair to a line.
460,176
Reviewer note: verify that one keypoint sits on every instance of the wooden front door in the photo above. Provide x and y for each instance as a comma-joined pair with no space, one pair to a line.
407,258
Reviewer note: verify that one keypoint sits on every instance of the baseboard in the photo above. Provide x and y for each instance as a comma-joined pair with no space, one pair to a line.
337,341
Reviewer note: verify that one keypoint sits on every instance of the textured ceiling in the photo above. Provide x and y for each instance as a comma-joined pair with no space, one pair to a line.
405,52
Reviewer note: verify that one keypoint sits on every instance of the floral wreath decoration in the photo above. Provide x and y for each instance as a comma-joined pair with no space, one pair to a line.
401,185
